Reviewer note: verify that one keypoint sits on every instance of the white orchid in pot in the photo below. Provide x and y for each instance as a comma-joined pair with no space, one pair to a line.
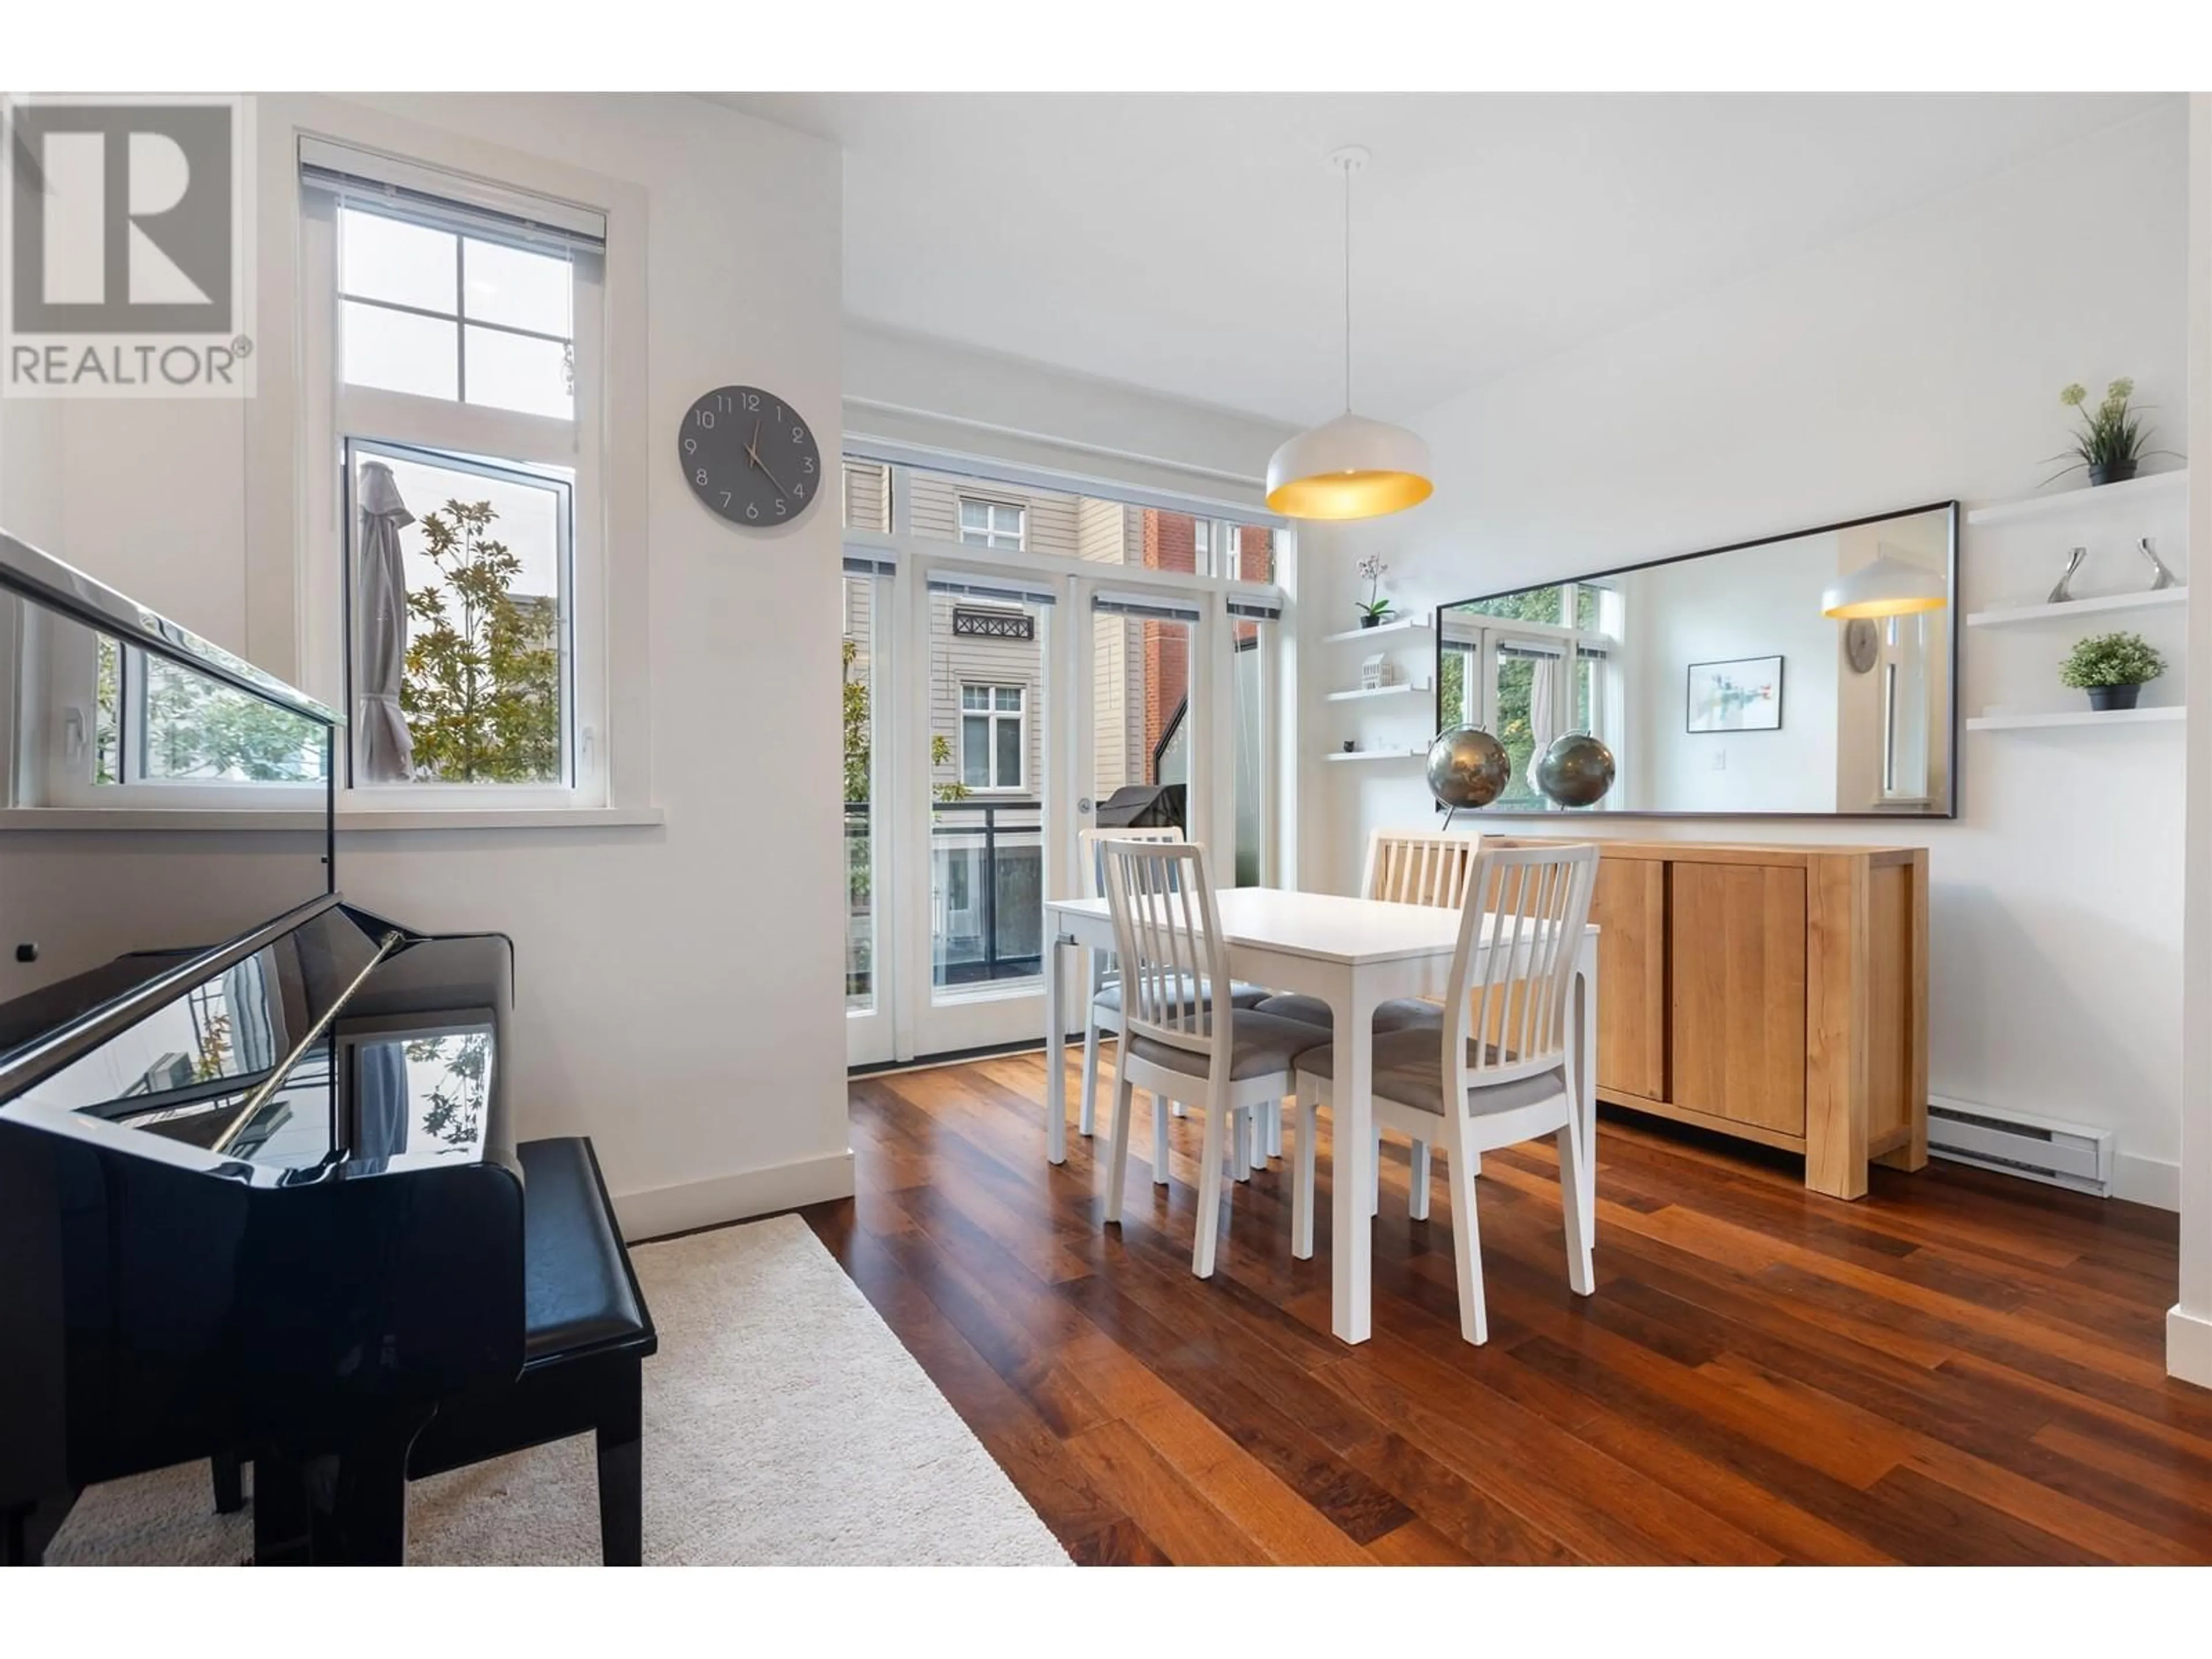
1373,609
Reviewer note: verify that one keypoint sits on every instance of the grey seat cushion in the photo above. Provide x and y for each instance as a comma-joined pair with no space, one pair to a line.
1395,1014
1259,1044
1241,995
1408,1068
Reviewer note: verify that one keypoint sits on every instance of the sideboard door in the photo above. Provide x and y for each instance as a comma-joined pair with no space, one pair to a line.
1629,904
1737,950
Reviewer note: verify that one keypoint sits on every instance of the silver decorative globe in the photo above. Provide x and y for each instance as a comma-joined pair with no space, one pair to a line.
1467,768
1575,771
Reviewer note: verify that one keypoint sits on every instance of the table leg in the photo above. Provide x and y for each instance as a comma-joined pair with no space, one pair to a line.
1086,962
1055,1053
1583,1070
1352,1143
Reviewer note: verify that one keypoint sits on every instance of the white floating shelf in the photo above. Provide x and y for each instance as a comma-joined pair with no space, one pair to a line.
2005,615
1375,754
1381,630
1397,690
2134,492
2072,717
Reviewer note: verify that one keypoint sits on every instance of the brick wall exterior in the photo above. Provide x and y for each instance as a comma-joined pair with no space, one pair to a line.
1171,543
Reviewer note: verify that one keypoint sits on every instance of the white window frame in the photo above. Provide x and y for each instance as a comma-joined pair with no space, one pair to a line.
993,715
990,535
335,413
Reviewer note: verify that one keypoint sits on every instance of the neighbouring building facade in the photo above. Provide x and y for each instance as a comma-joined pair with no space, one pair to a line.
985,681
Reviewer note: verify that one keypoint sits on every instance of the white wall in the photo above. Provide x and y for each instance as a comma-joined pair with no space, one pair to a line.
1917,360
679,988
2189,1327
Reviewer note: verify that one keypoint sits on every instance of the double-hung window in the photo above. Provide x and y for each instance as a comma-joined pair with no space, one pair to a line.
993,736
992,524
460,324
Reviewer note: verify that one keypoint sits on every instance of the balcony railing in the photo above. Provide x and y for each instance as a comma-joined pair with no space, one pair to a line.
985,894
986,890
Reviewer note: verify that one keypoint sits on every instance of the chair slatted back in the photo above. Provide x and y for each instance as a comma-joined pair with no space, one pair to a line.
1419,867
1094,848
1530,905
1102,969
1167,935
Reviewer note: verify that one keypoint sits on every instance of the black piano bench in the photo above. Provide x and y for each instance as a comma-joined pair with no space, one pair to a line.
586,1335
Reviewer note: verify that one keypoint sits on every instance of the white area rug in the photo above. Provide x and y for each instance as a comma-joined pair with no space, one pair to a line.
784,1424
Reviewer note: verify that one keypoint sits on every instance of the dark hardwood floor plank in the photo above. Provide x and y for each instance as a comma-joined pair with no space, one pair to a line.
1959,1368
1154,1494
1417,1544
1601,1508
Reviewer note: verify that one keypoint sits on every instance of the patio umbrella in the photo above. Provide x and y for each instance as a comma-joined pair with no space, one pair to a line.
383,751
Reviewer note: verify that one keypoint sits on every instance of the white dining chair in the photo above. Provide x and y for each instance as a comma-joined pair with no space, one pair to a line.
1492,1072
1404,866
1103,1002
1175,1045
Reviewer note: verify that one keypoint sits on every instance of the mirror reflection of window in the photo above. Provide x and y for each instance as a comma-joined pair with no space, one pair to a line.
1530,666
1904,710
1854,723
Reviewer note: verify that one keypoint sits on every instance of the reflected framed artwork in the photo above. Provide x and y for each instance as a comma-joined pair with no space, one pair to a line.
1744,695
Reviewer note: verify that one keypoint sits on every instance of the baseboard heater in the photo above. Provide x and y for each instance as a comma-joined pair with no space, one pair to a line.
2069,1154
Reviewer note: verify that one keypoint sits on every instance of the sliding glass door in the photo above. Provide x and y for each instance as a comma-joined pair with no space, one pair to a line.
986,714
1021,666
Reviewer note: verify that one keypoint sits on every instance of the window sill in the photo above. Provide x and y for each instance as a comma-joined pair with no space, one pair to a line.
349,823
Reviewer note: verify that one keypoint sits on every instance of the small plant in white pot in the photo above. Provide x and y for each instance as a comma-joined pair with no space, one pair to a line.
2113,668
1374,609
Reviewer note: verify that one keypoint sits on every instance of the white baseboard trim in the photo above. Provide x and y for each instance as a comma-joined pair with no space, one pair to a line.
2189,1347
656,1211
2151,1181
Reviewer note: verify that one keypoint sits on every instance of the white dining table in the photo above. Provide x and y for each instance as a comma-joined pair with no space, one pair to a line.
1354,954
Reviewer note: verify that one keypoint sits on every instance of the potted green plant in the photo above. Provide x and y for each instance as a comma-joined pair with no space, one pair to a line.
2112,438
2113,668
1373,611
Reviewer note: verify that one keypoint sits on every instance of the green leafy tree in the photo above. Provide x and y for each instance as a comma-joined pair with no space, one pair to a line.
858,717
482,688
455,1114
195,728
214,1060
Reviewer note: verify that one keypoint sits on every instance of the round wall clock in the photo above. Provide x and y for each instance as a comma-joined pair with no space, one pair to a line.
1862,644
749,457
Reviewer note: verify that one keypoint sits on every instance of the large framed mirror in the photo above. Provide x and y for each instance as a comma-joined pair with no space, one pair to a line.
1726,683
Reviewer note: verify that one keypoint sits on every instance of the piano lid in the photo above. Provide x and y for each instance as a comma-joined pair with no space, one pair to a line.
340,1040
119,724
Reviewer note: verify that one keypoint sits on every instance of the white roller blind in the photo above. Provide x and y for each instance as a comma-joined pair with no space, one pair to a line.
365,179
1148,604
989,588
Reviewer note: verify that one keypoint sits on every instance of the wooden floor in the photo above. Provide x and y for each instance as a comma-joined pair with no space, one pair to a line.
1959,1368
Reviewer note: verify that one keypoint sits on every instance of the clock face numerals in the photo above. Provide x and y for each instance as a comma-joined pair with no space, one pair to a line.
746,453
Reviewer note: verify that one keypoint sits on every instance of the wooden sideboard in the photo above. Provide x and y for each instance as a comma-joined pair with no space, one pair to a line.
1775,993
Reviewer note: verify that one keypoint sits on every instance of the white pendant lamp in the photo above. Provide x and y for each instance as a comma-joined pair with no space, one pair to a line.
1889,586
1351,467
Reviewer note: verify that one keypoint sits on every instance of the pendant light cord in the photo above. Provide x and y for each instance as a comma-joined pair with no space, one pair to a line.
1348,287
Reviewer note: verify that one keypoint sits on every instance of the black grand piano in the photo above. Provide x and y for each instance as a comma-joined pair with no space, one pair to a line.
261,1200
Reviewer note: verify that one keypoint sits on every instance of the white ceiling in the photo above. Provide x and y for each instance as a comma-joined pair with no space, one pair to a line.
1189,243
